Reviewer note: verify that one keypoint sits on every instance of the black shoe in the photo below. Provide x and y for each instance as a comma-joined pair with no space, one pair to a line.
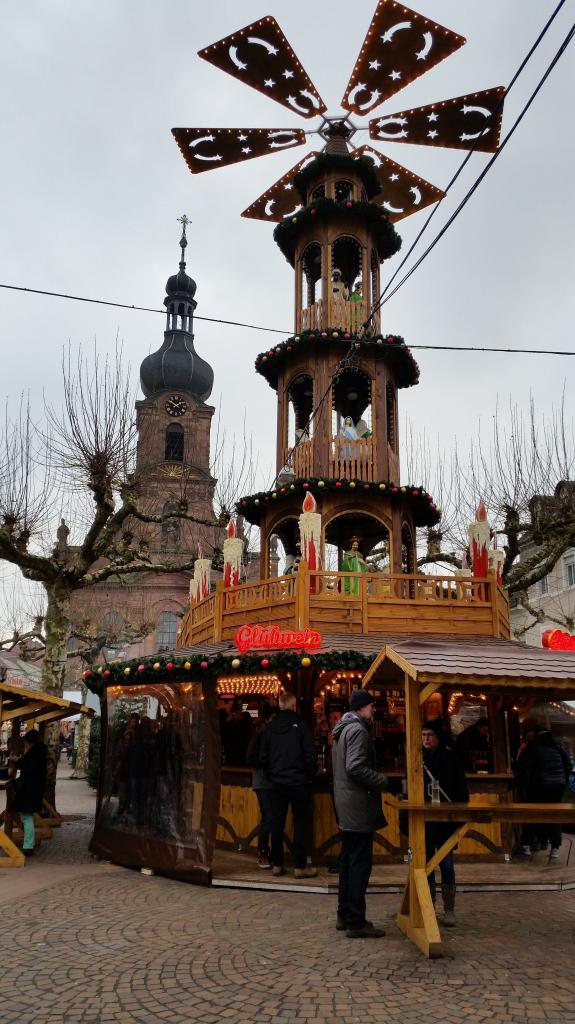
27,853
366,932
340,924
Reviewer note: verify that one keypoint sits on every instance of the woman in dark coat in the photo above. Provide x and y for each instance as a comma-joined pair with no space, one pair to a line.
30,786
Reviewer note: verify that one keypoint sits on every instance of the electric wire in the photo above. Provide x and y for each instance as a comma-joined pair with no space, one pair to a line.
385,298
465,161
277,330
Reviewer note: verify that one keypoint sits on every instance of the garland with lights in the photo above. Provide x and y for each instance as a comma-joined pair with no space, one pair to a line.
391,346
196,667
338,162
426,512
386,239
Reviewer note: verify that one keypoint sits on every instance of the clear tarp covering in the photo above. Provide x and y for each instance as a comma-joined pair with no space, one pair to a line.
159,783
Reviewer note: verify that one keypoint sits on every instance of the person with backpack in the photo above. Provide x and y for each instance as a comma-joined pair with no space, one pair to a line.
544,767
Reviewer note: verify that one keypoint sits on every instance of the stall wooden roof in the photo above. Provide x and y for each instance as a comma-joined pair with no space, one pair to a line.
19,702
474,661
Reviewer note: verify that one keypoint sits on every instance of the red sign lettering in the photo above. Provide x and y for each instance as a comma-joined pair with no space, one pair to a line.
265,638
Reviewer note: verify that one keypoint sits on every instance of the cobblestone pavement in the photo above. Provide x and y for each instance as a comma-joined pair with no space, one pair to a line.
87,943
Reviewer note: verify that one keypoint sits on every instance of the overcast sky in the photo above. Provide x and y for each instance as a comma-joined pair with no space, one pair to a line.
92,183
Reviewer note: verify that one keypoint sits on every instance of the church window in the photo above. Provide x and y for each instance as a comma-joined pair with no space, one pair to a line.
167,629
174,443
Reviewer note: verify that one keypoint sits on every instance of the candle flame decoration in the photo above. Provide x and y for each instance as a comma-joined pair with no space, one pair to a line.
479,538
202,577
310,535
233,551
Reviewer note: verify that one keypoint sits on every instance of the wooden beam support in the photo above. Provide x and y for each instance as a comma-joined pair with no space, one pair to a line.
427,692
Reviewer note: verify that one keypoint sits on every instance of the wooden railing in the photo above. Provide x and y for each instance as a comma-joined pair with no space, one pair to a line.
352,460
348,460
333,313
301,459
336,602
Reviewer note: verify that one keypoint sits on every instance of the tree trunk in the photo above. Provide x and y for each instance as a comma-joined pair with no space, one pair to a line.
82,748
57,628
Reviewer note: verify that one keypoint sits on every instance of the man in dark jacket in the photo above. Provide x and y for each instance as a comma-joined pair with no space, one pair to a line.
544,766
287,756
30,786
357,787
443,775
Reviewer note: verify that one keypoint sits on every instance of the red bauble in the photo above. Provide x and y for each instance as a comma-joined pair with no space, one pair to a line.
141,668
347,334
282,490
107,673
306,486
349,204
313,212
415,494
382,216
394,490
338,483
324,334
366,487
265,663
289,348
204,664
87,673
170,666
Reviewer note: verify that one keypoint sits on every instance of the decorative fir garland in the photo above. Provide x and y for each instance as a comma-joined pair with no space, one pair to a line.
426,512
338,162
195,667
387,240
390,345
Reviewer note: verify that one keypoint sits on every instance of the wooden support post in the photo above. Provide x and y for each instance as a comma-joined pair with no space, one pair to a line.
364,605
218,610
416,916
302,596
492,591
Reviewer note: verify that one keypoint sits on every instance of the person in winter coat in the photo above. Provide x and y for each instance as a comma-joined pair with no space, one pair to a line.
357,789
261,785
287,757
30,786
441,766
544,767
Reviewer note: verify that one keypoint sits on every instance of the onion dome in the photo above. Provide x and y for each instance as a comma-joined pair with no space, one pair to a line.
176,366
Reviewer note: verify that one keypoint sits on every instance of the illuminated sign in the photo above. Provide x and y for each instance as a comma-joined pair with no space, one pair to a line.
558,640
265,638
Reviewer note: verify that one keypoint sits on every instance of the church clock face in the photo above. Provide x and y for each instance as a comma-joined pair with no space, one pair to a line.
175,406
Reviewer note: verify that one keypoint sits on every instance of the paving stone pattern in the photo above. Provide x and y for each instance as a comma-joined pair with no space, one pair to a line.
87,943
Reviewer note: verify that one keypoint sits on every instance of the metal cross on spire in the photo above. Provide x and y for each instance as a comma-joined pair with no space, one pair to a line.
184,221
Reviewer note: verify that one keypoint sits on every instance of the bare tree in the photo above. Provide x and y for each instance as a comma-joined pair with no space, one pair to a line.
84,457
524,471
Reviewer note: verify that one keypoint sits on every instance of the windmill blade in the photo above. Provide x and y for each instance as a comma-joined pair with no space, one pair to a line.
261,56
400,45
464,122
206,148
402,191
280,199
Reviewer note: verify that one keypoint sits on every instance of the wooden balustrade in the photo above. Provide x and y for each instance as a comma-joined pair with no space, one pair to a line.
353,460
332,312
301,458
354,603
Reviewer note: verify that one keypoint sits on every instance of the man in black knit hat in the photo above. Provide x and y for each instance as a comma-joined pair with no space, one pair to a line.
357,787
